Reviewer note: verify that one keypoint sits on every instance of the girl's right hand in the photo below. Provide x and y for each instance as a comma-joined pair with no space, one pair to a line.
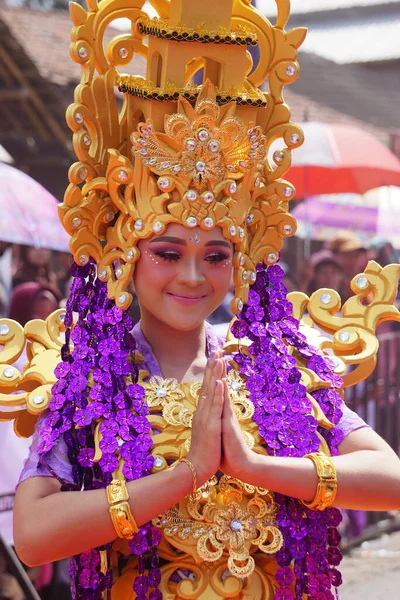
206,443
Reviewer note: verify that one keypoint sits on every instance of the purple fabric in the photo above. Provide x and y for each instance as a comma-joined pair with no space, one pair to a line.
58,459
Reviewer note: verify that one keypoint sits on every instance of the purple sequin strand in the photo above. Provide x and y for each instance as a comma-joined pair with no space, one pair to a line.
97,388
310,554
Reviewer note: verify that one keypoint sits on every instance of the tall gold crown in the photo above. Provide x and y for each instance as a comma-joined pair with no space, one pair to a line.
177,152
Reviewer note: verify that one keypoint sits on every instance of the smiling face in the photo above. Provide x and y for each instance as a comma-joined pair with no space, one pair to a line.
183,275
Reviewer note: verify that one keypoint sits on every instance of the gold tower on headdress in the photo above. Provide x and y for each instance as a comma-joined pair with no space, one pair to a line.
177,152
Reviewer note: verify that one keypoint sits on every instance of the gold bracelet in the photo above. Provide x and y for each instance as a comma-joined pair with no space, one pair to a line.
327,484
120,511
194,473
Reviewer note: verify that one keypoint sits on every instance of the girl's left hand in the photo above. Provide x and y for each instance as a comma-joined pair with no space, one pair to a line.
236,454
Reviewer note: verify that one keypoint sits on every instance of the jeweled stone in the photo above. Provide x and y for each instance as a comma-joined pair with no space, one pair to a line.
287,230
250,218
122,175
143,151
61,317
83,259
254,146
157,227
79,117
230,167
288,191
82,173
290,70
344,336
257,182
119,272
201,531
294,138
243,163
191,195
38,400
241,233
362,283
208,197
325,298
120,442
242,261
236,525
191,221
235,386
187,531
279,155
152,161
213,146
9,372
252,154
122,298
164,183
208,222
232,230
272,257
190,144
110,216
4,329
232,187
86,139
76,222
102,274
123,52
83,53
240,304
161,392
200,166
177,168
203,135
130,255
245,276
139,225
158,462
253,277
165,165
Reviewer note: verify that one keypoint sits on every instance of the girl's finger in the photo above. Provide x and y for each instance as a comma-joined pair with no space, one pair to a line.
218,401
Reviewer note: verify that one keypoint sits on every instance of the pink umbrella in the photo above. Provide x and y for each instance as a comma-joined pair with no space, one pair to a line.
28,212
337,158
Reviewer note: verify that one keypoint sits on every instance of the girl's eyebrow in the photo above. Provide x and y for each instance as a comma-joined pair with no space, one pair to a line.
182,242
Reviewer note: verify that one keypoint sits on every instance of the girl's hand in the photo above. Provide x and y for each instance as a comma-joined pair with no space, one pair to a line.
205,450
236,454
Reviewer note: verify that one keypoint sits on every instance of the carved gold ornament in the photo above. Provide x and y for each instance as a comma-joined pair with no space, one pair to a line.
233,520
177,152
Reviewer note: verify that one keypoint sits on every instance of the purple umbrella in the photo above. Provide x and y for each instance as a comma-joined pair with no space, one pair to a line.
28,212
375,214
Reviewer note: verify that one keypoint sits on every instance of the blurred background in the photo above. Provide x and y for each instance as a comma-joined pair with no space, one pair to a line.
347,177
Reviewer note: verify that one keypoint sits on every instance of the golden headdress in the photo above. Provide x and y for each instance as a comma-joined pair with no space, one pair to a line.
177,152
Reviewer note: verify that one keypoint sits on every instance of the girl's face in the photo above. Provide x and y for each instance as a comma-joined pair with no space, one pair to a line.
183,275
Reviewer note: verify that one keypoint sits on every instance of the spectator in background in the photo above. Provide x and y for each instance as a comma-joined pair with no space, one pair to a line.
326,272
33,300
352,255
34,264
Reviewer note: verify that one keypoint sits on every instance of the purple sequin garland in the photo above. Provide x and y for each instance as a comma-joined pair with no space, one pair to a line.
104,348
92,385
310,554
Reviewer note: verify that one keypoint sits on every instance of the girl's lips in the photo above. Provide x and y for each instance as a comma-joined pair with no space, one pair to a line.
186,300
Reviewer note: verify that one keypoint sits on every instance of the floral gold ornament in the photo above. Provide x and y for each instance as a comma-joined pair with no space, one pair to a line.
138,168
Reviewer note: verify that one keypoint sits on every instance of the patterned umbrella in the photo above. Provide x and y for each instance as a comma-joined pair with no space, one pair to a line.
28,212
375,214
337,158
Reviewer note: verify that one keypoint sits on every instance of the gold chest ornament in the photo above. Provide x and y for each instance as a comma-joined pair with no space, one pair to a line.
225,515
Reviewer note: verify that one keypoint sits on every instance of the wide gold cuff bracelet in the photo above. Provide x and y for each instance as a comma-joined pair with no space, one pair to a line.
120,511
327,484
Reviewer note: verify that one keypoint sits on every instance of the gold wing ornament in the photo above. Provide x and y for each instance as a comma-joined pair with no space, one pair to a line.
25,392
165,150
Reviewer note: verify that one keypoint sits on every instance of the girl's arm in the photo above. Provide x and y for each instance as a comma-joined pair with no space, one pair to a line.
50,525
368,473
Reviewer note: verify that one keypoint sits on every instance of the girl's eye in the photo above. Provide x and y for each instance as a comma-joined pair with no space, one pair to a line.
168,255
216,258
